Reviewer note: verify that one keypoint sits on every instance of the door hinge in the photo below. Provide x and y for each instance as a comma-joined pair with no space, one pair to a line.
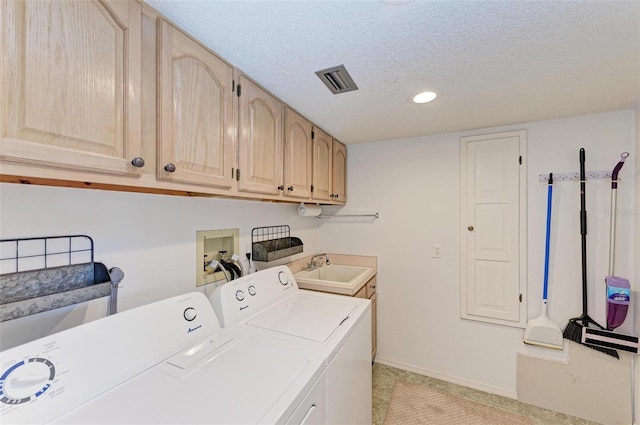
313,134
233,170
239,89
233,85
520,159
520,297
311,188
238,174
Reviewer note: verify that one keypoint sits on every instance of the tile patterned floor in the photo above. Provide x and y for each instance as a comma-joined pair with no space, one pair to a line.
384,378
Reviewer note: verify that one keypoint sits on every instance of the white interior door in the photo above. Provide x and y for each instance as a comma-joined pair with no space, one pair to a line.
493,228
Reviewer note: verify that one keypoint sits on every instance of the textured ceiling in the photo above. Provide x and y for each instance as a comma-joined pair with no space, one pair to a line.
493,62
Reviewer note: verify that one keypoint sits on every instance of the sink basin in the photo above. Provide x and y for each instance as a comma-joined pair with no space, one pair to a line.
337,278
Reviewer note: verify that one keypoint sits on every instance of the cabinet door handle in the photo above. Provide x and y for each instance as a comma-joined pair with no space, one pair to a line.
470,228
281,187
290,188
170,168
137,162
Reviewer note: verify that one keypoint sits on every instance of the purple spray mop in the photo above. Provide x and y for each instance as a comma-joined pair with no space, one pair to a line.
618,288
618,293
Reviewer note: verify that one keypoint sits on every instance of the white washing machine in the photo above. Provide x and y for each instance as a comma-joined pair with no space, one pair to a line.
163,363
268,305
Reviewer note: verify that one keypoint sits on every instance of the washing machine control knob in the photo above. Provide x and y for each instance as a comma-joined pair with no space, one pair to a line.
190,314
239,295
283,278
252,290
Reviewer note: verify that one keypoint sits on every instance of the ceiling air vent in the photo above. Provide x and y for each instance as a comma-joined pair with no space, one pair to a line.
337,79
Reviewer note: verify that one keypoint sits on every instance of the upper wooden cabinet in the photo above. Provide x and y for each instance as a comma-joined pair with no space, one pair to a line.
339,181
70,84
322,165
109,94
260,146
195,128
329,168
297,156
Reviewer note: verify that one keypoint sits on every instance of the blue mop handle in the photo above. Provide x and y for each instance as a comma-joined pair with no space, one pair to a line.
546,248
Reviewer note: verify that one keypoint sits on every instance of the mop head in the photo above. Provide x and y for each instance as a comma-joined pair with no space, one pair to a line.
608,339
573,332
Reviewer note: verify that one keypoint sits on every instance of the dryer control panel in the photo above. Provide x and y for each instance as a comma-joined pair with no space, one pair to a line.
241,298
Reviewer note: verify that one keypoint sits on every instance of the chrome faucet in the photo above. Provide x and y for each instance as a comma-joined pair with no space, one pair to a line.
313,264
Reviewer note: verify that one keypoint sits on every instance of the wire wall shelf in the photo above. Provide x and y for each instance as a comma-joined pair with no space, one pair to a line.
19,255
46,273
273,242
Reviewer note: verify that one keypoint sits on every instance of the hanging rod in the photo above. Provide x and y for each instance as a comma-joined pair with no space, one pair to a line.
590,175
375,215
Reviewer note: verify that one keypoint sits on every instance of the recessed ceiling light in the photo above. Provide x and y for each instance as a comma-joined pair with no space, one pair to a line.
424,97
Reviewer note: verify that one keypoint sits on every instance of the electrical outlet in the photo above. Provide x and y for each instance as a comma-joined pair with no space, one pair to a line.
437,250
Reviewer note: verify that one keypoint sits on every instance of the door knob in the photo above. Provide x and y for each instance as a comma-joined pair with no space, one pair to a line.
170,168
470,228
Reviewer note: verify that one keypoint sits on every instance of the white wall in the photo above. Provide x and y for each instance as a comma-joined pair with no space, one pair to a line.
150,237
413,183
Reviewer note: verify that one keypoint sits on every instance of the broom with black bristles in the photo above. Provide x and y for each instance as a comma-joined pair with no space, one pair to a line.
573,330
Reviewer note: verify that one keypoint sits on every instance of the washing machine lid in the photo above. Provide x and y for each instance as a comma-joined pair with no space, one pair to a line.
166,362
306,316
242,383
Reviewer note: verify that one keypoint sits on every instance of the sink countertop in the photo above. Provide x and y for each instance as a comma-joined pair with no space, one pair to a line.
337,287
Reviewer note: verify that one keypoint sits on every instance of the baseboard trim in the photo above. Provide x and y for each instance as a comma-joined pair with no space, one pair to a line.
447,378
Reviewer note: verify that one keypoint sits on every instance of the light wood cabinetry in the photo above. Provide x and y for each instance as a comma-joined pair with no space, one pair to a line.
329,168
373,296
339,176
322,165
260,147
195,130
71,85
297,156
368,291
108,94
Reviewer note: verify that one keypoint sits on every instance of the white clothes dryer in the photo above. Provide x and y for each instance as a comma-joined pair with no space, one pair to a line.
268,305
162,363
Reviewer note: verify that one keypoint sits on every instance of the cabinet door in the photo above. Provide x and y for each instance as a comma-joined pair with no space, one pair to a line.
493,230
297,156
362,293
70,83
322,163
260,148
374,325
195,112
339,183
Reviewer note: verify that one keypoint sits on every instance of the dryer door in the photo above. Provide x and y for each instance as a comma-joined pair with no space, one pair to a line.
306,316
